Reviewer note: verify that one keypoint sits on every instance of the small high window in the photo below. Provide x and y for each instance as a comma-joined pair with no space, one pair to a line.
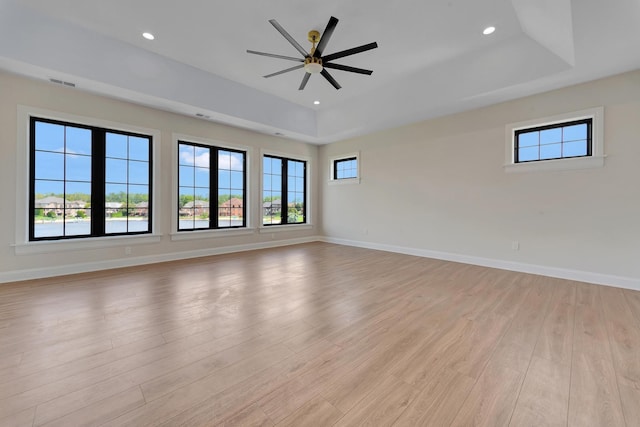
566,141
345,168
556,141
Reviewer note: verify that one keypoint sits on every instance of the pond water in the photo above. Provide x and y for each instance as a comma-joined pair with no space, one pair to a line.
83,228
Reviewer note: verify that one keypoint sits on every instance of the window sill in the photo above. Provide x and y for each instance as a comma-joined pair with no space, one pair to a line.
344,181
208,234
288,227
48,246
557,164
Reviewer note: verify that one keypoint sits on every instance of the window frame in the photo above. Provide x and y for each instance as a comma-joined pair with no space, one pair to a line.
595,159
22,245
206,233
213,186
332,169
98,225
274,228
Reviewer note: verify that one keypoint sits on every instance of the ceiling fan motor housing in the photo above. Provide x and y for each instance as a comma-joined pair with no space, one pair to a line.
313,65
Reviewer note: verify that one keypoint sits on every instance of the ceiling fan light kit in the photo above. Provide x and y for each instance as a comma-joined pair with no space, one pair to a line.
314,62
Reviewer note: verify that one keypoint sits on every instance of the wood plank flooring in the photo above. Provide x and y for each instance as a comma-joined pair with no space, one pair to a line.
320,335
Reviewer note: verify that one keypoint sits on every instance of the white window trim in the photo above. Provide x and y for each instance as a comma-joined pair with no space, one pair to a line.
332,160
22,244
285,227
597,143
208,233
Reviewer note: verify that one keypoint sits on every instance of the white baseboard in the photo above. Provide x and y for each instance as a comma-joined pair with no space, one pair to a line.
39,273
561,273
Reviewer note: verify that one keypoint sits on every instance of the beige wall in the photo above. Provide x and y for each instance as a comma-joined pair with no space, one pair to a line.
439,188
435,188
15,91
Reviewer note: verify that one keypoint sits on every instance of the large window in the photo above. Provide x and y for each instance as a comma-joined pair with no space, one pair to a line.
556,141
87,181
284,198
211,187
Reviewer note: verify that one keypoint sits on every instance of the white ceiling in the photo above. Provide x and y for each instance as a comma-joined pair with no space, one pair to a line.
432,57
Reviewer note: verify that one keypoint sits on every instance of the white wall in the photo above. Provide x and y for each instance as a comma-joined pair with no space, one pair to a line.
438,188
15,91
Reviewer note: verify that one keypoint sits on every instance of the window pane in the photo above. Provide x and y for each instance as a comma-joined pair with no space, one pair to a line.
116,145
49,165
574,149
138,172
49,137
224,179
552,151
237,180
550,136
186,176
78,167
138,148
574,133
186,154
528,154
116,170
202,177
78,140
528,139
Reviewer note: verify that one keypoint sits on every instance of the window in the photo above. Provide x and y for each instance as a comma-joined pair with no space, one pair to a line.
87,181
557,141
209,174
562,142
345,168
284,191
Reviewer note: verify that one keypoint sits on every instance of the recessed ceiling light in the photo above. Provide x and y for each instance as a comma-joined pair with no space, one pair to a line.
488,30
148,36
316,102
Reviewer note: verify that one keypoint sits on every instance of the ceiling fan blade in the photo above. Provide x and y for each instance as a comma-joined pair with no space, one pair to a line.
273,55
348,52
330,79
348,68
325,37
288,37
284,71
305,79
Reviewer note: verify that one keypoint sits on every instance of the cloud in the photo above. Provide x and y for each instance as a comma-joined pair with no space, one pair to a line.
224,160
200,160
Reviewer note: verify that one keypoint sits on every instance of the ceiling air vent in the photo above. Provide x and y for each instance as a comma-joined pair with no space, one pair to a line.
62,82
202,116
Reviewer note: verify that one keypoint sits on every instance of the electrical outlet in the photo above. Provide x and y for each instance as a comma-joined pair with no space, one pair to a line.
515,245
127,250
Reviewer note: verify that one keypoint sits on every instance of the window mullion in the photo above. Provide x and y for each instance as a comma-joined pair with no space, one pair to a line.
284,207
213,187
98,167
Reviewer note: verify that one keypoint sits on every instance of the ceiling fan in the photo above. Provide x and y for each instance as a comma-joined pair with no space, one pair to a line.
313,62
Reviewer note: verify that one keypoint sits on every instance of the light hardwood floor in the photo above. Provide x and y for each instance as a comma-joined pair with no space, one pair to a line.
317,335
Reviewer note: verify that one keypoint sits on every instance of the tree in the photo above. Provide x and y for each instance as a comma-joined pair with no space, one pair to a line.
52,214
81,214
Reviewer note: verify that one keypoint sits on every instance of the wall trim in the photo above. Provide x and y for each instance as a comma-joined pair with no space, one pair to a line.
561,273
39,273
